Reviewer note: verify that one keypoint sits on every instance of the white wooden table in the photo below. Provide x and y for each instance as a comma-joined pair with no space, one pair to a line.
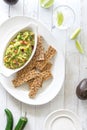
75,64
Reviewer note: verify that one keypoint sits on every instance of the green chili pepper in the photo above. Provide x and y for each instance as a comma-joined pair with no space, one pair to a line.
9,115
21,123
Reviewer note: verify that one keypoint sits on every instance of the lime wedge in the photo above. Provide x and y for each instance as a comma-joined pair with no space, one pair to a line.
79,47
75,34
46,3
60,18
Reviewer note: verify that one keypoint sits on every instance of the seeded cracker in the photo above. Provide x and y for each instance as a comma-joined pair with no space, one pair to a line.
40,49
48,55
30,83
46,75
25,77
36,84
47,67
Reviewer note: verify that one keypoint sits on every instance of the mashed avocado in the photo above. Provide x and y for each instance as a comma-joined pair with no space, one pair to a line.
19,50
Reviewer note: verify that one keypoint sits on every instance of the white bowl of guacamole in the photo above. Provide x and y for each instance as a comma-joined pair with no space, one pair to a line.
19,49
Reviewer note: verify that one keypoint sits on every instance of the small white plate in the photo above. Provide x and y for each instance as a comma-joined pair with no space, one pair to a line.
50,88
62,120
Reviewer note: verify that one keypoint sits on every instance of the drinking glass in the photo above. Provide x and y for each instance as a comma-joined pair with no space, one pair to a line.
63,17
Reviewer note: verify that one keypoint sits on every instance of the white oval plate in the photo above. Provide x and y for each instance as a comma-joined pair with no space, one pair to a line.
50,88
62,120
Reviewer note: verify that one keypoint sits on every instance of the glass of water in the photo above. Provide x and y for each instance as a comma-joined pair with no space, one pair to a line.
63,17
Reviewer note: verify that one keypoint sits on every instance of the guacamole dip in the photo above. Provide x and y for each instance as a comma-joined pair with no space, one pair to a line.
19,50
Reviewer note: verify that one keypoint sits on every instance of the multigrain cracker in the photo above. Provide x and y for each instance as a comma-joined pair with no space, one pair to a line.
41,64
37,83
48,55
46,75
25,77
40,49
30,83
47,67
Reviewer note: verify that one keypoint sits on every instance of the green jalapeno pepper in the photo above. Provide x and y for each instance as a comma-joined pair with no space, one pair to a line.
9,115
21,123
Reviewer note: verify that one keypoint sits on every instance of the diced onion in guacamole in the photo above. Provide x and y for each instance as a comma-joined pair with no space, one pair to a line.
19,50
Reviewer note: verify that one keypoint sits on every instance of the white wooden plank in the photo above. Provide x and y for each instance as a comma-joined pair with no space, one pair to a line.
13,104
45,16
83,38
30,10
15,107
3,16
76,6
2,107
17,9
30,113
72,77
83,13
82,107
41,113
4,9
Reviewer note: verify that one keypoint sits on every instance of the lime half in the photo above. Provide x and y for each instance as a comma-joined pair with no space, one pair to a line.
79,47
75,33
46,3
60,18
